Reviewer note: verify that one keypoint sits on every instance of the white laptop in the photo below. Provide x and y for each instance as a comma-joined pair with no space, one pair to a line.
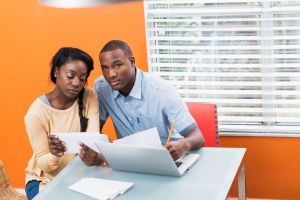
145,159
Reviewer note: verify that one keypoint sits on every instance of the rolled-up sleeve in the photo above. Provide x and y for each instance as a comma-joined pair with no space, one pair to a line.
177,110
103,114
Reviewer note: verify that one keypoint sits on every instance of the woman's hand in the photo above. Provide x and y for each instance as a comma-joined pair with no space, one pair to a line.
90,157
56,146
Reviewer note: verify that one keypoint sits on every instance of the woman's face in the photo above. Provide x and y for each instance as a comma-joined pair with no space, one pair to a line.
71,78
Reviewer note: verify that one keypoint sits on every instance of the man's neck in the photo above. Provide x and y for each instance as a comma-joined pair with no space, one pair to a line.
128,89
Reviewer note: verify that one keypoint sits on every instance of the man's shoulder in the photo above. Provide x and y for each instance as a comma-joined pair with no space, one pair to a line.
155,82
100,84
151,76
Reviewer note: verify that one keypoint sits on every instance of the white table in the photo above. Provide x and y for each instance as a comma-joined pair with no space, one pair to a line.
209,179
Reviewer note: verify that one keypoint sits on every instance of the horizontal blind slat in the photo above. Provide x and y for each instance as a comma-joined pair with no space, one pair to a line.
241,55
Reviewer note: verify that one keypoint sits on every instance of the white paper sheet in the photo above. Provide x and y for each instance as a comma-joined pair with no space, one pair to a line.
149,137
73,139
101,189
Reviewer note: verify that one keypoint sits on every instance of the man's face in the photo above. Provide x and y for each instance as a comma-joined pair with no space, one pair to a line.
118,70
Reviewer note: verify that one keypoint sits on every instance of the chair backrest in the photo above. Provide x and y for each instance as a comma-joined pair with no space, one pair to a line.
7,192
206,119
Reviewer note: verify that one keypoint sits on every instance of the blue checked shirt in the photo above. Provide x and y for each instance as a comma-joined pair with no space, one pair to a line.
151,103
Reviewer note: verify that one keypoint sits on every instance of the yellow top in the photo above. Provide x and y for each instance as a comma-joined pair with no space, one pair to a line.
42,120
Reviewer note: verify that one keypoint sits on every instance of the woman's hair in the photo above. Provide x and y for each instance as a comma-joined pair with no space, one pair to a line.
68,54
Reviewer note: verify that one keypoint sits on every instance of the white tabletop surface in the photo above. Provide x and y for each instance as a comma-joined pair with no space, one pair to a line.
209,179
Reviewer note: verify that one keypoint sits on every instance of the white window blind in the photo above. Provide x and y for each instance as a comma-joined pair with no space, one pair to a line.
243,56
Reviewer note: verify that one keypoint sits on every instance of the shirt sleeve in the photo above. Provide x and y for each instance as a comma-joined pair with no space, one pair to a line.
177,110
103,114
38,138
92,109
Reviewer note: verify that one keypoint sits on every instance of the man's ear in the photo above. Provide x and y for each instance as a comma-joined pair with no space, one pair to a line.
132,60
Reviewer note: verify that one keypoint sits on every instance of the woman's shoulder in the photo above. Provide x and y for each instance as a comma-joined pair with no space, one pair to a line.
37,104
38,108
89,94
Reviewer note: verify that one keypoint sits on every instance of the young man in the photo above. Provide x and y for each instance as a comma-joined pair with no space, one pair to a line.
137,101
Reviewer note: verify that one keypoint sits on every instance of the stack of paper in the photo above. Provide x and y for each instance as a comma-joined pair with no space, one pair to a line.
100,188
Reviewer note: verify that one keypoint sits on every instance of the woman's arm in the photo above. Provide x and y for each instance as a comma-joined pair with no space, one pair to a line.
38,138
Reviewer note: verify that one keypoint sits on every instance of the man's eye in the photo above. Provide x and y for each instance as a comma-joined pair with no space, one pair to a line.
118,65
83,78
104,68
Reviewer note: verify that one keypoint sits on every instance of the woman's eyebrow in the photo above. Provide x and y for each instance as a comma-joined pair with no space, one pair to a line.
75,72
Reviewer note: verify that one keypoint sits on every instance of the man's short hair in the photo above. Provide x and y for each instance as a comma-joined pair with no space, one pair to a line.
117,44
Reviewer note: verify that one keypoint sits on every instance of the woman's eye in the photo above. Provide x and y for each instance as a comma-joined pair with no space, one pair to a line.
69,76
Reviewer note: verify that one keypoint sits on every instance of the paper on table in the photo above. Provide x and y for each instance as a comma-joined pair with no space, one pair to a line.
73,139
149,137
100,188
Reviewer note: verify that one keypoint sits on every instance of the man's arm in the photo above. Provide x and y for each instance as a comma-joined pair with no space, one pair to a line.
193,140
102,122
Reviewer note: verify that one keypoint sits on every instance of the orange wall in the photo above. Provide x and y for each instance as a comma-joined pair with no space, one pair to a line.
31,34
272,166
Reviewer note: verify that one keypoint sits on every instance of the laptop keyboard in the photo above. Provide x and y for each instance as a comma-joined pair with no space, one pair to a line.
178,163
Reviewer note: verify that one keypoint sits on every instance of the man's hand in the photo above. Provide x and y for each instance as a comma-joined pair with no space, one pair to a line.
89,156
177,148
56,146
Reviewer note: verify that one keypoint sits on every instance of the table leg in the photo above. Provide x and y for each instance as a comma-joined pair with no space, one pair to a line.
242,183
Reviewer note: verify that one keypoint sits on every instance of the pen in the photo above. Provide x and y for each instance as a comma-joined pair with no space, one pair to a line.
170,132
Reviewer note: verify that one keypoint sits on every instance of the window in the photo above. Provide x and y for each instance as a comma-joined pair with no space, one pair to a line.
242,55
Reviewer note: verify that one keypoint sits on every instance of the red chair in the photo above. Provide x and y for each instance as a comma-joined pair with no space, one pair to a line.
205,116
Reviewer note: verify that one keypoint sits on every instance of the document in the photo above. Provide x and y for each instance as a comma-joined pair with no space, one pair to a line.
72,140
149,137
101,189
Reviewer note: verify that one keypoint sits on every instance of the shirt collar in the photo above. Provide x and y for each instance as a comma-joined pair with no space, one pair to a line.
136,91
115,93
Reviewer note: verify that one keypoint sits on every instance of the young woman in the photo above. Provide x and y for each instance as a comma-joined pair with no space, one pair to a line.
69,107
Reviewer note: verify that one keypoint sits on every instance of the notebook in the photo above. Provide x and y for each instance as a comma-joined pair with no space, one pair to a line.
101,189
125,155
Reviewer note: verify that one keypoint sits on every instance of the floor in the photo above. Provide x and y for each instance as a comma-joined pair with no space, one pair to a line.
252,199
21,190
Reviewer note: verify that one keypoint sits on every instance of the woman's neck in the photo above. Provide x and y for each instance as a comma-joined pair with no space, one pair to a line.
58,100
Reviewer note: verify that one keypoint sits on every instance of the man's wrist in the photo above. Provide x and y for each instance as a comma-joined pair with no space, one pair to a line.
97,160
187,144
